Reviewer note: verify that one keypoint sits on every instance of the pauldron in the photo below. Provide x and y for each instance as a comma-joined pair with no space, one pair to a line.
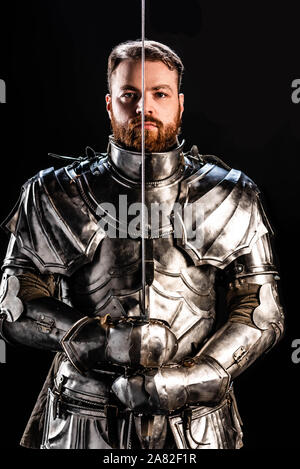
56,221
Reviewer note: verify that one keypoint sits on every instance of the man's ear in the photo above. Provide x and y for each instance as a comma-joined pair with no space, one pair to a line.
108,104
181,103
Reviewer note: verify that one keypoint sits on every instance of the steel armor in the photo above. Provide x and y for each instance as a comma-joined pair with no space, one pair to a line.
122,381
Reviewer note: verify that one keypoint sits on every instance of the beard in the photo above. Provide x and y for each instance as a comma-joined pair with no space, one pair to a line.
161,139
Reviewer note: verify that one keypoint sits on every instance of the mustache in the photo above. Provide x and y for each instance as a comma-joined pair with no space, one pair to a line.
136,121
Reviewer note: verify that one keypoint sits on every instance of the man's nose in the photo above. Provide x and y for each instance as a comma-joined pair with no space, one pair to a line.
148,105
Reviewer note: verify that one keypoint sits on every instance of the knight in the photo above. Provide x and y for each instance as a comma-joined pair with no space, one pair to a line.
127,303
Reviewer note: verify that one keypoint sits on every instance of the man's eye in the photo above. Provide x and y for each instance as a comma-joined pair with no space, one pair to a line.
128,95
160,94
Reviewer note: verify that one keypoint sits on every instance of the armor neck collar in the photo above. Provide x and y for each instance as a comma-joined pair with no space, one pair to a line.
158,166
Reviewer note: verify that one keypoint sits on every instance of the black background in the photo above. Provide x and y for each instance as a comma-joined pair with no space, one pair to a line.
240,59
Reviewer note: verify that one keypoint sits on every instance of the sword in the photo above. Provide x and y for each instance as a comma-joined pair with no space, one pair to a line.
149,433
147,333
145,312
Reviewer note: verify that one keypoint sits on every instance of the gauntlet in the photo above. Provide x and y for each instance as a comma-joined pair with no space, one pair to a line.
198,381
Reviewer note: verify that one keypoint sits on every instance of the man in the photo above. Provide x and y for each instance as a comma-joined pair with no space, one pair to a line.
138,362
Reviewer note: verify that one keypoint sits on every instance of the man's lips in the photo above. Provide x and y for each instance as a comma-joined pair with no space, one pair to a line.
148,125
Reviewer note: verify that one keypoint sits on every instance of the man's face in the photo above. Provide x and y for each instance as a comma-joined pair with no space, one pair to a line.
163,105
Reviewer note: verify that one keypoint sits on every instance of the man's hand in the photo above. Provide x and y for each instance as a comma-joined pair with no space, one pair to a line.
92,342
201,381
148,392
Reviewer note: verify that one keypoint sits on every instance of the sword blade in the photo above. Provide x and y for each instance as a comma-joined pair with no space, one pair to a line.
143,227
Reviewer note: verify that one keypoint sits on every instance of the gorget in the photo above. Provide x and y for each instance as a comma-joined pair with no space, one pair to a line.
158,166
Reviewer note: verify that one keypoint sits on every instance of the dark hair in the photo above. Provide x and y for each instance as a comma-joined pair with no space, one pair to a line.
153,51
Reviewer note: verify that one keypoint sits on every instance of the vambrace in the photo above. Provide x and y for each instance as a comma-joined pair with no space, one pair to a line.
237,345
240,341
50,324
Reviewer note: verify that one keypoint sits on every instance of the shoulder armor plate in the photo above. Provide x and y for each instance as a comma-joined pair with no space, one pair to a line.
52,224
226,216
56,225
